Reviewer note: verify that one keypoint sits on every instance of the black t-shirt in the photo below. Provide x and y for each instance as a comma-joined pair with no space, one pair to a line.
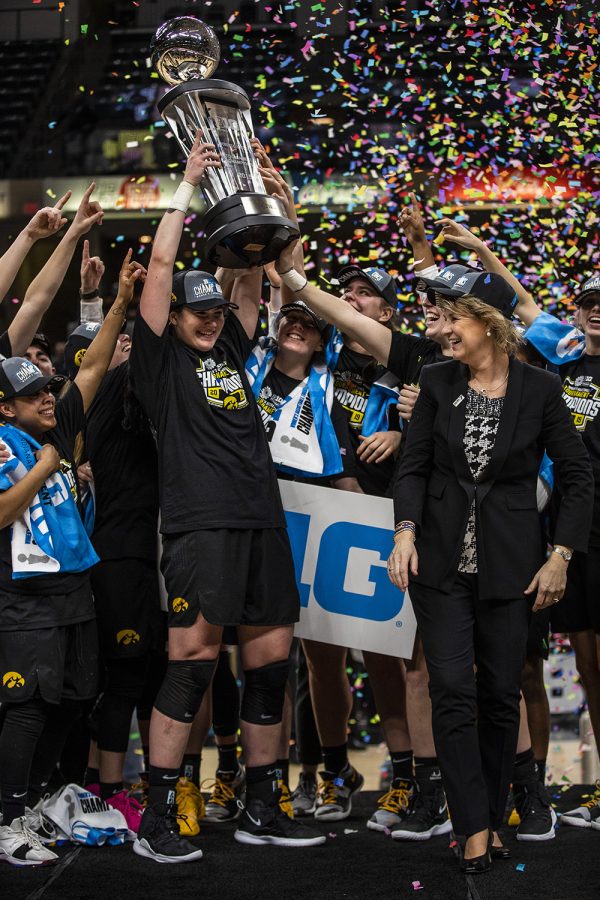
409,353
5,347
125,467
275,388
354,377
581,393
215,469
48,606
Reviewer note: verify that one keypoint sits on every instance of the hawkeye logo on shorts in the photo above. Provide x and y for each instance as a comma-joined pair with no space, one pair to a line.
179,605
12,680
582,397
222,384
353,394
78,358
127,636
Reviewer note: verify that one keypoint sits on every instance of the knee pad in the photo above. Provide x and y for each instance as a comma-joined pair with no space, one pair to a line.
264,692
183,688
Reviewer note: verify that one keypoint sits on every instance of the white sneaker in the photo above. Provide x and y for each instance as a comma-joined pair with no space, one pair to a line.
20,846
43,828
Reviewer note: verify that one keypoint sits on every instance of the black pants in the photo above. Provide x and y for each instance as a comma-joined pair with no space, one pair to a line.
307,736
475,714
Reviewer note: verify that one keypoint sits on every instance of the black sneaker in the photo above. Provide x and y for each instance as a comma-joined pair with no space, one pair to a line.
394,806
158,837
535,811
262,823
334,797
427,817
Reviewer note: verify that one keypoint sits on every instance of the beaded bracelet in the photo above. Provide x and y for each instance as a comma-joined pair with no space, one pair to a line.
405,526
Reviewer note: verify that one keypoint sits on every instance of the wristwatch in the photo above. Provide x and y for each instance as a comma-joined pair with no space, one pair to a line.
566,554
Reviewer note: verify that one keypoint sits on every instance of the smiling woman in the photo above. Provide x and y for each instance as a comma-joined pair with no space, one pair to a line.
469,320
470,543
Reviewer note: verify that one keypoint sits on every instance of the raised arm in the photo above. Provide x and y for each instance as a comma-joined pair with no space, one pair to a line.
246,295
98,356
156,296
411,222
277,186
526,308
91,272
374,337
43,288
47,221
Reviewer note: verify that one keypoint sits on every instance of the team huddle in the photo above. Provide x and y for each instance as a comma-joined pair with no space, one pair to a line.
185,427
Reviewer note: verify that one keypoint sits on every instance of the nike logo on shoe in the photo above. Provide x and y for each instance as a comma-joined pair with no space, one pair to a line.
257,822
170,777
18,796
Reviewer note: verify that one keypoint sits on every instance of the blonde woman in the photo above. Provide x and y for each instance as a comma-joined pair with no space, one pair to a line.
469,543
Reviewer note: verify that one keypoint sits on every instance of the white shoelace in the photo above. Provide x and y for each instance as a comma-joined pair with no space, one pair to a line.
30,836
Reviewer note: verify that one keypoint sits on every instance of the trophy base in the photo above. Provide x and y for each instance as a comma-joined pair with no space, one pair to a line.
246,230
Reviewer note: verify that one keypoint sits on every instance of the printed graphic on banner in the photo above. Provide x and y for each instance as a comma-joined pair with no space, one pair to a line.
341,543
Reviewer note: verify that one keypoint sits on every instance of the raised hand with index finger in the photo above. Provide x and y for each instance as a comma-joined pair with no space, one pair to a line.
92,270
129,274
88,213
49,220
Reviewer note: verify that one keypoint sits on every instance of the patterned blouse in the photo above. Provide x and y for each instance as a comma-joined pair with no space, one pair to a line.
481,425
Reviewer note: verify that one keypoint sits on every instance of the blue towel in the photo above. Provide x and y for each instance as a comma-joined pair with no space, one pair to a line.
384,393
50,537
302,437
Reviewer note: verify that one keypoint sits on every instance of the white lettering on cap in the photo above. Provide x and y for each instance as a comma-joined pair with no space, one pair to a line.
593,284
462,280
447,275
206,287
376,276
26,372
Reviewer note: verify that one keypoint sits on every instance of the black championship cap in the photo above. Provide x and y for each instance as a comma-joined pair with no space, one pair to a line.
301,307
457,281
76,346
380,281
41,341
198,290
19,377
591,286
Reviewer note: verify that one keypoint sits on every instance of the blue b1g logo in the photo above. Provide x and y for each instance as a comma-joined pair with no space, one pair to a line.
338,541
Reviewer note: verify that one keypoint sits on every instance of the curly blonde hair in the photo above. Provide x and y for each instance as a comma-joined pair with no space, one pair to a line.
502,331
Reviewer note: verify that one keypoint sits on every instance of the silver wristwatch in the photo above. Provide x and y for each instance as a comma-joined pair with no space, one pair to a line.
566,554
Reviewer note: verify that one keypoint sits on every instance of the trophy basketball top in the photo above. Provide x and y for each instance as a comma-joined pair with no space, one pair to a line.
184,49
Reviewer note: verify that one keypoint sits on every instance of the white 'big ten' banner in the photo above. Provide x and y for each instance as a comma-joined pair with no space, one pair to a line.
341,543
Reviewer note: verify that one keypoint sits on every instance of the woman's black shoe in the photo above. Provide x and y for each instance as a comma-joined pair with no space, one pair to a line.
500,852
478,864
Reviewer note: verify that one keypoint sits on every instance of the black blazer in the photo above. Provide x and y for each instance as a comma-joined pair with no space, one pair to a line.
434,486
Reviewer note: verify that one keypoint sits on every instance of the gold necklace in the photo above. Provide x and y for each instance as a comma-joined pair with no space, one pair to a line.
490,390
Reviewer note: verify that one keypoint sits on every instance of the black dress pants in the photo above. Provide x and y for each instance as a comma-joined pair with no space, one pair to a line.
475,713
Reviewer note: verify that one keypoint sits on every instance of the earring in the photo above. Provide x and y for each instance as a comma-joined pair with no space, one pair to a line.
489,333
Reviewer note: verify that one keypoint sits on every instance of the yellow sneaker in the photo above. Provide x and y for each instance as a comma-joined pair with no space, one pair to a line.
514,819
285,800
190,807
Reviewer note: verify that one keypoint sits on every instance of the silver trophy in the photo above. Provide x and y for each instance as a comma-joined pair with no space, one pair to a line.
243,225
